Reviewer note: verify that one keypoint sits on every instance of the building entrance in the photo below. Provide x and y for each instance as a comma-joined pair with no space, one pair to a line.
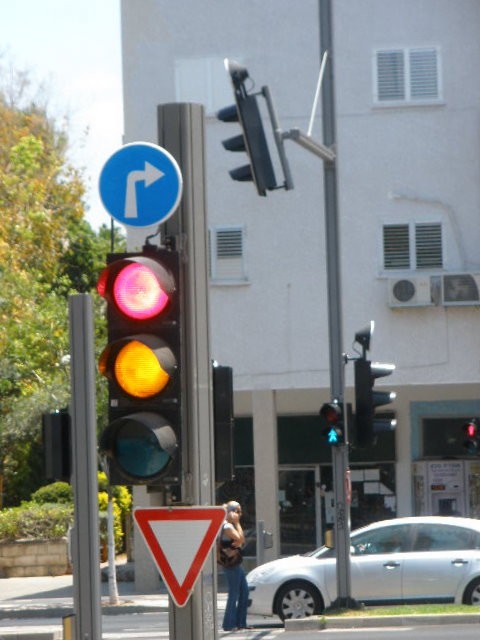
299,503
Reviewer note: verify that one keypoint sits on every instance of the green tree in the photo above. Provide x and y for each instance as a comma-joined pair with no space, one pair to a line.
47,252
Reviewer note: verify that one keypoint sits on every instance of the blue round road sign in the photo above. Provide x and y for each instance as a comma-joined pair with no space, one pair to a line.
141,184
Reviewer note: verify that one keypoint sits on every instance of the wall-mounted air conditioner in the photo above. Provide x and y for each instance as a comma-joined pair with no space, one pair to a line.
460,289
415,291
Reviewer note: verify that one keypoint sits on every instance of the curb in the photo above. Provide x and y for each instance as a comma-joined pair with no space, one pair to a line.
318,623
31,635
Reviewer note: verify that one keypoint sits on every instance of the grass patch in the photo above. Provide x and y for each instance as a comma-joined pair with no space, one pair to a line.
406,610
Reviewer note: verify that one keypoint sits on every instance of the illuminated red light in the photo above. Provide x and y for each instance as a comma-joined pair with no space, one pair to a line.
138,293
471,429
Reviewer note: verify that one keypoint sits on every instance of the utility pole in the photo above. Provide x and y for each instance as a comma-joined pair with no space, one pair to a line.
181,130
85,544
337,383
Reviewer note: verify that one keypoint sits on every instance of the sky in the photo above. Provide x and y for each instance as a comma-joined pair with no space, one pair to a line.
73,48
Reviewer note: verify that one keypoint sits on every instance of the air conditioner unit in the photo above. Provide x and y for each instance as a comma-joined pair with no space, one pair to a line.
411,292
461,289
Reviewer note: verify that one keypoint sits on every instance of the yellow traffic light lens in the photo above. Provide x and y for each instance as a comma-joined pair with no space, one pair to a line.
139,372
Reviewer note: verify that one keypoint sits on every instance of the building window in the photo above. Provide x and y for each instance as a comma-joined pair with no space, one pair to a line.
412,246
407,75
227,258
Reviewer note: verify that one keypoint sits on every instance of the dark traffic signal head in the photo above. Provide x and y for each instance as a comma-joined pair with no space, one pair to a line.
142,362
471,431
332,422
366,401
253,139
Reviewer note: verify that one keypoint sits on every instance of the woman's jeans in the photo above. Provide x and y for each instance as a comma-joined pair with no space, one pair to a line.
237,601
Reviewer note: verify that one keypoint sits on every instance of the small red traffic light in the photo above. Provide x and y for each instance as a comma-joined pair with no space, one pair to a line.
471,429
332,413
331,417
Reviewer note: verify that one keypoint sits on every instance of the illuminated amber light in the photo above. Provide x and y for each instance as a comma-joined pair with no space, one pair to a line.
139,372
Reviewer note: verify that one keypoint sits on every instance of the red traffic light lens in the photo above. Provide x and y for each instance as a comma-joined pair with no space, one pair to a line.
139,287
331,413
138,293
471,429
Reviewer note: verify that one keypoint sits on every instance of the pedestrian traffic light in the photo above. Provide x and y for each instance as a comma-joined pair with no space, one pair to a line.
367,426
332,422
253,139
143,364
472,436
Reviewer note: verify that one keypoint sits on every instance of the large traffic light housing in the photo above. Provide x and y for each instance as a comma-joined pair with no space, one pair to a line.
143,364
471,432
253,139
367,426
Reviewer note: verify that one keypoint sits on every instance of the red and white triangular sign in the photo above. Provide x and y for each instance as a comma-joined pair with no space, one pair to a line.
179,539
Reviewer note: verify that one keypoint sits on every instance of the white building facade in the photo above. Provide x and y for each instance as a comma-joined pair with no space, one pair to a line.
408,167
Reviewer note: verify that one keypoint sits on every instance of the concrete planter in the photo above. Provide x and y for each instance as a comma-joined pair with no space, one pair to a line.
34,558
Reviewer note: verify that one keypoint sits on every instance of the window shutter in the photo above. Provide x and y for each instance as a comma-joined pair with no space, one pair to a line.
396,246
390,75
423,74
428,246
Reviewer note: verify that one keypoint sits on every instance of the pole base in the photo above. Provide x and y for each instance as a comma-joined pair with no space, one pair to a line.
345,603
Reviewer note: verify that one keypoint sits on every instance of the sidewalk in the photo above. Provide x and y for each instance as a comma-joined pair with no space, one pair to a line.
52,597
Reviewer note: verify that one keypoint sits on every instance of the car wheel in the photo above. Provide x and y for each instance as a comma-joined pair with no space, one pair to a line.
472,593
298,599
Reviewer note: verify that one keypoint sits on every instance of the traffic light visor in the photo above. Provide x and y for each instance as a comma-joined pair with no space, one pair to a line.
139,287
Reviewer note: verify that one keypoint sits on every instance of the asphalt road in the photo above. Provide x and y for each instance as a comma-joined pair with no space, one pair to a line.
151,626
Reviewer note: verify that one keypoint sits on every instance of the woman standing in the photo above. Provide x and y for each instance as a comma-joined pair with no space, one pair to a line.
232,537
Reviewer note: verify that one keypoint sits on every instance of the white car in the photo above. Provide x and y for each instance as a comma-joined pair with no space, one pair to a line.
404,560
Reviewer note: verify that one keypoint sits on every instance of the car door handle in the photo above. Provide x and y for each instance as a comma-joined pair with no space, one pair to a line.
391,565
459,562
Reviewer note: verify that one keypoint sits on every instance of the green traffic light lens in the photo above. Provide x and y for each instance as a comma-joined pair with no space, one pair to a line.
143,449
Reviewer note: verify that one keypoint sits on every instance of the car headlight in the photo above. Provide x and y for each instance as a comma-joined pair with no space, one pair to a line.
260,573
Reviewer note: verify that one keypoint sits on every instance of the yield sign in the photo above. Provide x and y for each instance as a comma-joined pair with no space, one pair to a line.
179,539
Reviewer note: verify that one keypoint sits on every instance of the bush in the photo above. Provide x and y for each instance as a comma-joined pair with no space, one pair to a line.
57,492
33,521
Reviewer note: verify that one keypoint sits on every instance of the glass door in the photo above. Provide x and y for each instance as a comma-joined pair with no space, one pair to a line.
299,502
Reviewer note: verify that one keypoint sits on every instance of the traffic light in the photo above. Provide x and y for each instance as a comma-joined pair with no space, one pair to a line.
332,422
143,364
252,140
472,436
222,382
56,440
366,401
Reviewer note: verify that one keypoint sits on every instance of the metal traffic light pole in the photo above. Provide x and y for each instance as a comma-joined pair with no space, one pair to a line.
337,384
181,130
326,152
